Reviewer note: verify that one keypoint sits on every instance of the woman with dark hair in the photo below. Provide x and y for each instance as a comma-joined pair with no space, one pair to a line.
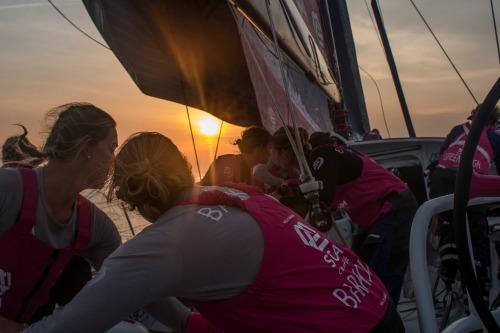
281,174
247,263
283,154
282,165
254,148
44,221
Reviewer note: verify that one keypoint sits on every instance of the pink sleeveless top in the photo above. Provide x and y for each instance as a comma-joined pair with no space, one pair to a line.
483,156
306,283
364,197
29,268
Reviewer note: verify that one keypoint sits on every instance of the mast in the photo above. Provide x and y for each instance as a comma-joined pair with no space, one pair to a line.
392,66
350,80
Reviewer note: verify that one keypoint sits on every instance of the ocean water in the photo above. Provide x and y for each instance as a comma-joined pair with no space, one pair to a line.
115,211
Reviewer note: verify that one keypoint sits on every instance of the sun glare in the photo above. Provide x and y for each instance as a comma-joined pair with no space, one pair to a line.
208,125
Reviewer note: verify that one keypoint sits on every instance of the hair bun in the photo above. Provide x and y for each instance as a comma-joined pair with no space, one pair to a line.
150,174
140,168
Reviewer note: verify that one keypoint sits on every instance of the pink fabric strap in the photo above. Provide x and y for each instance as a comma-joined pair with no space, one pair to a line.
198,324
27,216
84,223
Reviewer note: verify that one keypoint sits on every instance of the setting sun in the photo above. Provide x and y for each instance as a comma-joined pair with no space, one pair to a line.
208,125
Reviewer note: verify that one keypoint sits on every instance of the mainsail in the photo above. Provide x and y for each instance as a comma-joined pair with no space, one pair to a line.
221,57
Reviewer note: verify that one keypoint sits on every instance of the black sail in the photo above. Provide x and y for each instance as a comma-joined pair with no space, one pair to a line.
220,57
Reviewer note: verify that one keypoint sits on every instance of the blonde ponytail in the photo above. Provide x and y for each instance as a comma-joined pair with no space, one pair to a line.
150,174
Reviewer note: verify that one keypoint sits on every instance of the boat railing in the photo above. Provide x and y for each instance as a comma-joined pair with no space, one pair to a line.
419,267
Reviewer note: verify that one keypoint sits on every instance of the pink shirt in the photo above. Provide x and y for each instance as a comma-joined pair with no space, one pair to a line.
364,198
306,283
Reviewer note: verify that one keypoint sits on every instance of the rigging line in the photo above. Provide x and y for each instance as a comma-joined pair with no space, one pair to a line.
77,27
274,105
373,24
259,33
194,144
444,51
304,166
218,139
379,97
273,100
295,143
190,126
128,219
291,66
303,45
495,27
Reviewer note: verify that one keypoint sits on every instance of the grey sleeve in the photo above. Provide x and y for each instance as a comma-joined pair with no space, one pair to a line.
11,196
105,239
261,173
195,252
144,270
171,312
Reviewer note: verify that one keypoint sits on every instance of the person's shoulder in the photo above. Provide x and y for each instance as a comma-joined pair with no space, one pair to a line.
99,214
494,136
10,179
493,132
455,132
102,223
330,149
181,218
459,128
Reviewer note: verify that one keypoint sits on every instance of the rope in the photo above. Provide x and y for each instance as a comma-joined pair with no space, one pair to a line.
192,139
274,106
303,165
379,98
444,51
218,139
495,27
76,27
373,24
321,221
128,219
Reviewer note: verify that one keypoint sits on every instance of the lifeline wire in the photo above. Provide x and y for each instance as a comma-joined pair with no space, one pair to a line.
379,97
218,139
444,51
77,27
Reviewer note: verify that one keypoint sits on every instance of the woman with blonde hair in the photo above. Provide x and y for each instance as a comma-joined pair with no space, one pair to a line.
44,221
221,250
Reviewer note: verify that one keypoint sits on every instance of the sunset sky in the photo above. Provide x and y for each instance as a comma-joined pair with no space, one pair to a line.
44,62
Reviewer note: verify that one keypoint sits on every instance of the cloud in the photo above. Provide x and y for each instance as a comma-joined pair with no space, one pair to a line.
23,5
16,5
434,93
45,62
